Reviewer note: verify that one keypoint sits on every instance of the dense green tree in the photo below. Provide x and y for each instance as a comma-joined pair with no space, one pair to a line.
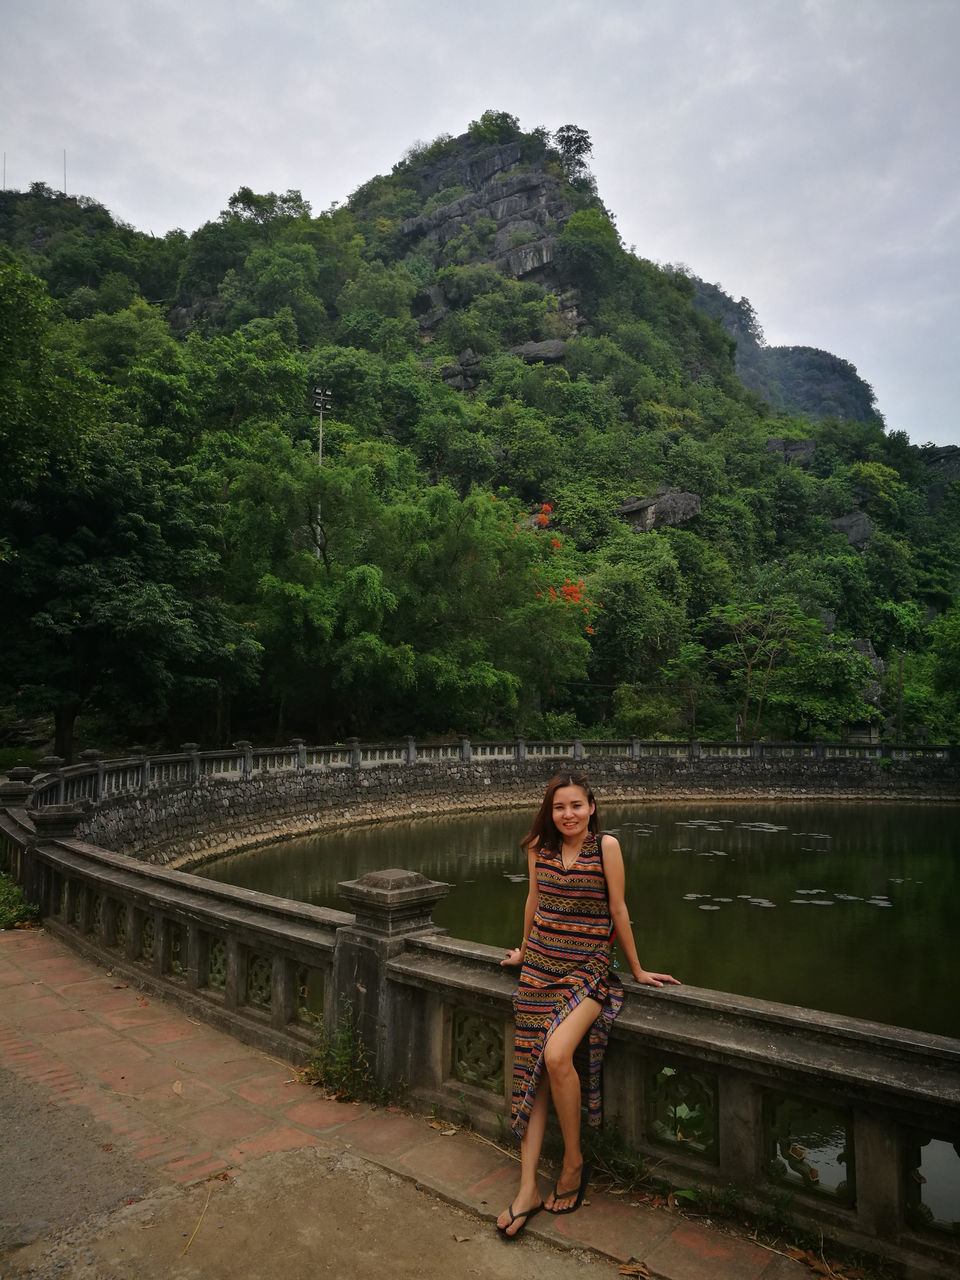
754,641
46,398
166,530
574,145
108,592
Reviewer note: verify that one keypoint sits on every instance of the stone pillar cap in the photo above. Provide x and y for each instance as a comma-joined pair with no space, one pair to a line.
58,821
14,795
393,901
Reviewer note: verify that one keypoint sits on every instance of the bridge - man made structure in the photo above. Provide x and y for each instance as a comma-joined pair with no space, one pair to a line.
849,1125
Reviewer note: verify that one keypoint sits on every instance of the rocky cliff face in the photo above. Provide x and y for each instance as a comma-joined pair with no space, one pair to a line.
671,506
525,204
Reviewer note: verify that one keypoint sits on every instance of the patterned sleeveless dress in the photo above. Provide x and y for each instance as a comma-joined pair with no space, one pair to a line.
567,960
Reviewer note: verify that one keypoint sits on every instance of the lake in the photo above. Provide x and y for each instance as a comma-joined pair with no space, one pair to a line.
850,908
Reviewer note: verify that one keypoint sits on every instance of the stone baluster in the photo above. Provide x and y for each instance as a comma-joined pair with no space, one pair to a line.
139,754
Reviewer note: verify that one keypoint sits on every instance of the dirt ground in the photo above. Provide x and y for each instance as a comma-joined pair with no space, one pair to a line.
71,1206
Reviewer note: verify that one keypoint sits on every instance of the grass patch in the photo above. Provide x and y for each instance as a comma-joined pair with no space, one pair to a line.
14,911
339,1063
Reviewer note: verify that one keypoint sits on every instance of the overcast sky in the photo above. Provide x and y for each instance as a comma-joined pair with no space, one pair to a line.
802,153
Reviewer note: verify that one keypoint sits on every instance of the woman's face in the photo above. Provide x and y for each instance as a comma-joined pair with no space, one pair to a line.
572,808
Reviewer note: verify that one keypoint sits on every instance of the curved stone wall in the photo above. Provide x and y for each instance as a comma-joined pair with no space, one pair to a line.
184,825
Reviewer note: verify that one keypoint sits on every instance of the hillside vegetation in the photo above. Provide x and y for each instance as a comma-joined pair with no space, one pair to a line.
548,500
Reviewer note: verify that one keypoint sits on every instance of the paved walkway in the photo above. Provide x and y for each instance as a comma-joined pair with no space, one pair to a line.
192,1103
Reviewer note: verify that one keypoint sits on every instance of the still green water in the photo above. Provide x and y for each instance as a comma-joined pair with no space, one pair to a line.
849,908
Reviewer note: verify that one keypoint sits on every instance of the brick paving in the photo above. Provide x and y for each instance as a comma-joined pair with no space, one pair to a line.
192,1103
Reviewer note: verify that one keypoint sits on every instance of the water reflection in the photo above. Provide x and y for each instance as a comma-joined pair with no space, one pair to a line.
849,908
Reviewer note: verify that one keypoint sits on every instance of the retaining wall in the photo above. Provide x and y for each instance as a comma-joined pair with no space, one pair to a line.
184,825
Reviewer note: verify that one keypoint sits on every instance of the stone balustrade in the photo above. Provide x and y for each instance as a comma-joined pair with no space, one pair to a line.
185,808
853,1125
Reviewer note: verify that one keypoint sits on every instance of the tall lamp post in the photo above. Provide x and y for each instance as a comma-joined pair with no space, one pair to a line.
322,400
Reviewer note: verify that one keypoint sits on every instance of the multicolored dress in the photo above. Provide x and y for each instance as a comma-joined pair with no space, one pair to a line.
567,960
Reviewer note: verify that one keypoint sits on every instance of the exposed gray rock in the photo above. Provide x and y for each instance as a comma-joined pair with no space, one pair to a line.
944,466
872,689
526,259
515,202
799,451
527,206
537,352
464,374
670,507
856,528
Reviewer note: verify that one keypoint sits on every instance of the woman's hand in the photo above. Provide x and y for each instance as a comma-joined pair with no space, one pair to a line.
654,979
513,957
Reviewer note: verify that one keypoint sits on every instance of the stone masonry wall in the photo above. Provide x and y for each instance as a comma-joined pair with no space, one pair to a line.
186,825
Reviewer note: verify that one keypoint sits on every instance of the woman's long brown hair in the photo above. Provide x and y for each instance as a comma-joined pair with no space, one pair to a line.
544,830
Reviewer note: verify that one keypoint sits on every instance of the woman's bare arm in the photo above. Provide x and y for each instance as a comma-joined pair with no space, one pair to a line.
517,955
614,873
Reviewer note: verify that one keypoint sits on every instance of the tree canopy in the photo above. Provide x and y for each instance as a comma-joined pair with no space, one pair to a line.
175,563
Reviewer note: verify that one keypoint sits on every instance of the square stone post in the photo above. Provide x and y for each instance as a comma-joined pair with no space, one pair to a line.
739,1129
16,791
52,764
92,757
880,1192
391,907
246,750
53,822
192,749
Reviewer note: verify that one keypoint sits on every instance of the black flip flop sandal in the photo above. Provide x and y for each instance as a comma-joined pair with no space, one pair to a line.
516,1217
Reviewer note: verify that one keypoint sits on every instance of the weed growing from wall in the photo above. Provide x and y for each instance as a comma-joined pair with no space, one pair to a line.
14,912
339,1062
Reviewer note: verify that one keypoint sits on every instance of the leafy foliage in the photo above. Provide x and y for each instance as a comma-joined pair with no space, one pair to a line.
174,560
14,910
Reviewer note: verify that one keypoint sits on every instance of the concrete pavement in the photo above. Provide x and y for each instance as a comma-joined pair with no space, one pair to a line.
192,1104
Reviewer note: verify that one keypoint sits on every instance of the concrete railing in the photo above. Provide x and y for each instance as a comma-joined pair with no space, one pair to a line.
195,805
96,779
854,1122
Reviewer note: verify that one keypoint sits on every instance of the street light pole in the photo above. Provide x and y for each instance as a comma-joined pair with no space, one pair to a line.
322,400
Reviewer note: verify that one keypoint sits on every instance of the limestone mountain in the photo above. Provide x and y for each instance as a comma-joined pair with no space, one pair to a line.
800,380
558,488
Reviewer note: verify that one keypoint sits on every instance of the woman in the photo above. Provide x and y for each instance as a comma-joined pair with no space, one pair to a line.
574,908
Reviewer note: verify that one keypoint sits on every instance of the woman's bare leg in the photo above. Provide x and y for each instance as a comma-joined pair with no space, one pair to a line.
565,1090
528,1196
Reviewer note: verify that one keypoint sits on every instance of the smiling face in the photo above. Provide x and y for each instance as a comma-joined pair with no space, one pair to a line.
572,808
